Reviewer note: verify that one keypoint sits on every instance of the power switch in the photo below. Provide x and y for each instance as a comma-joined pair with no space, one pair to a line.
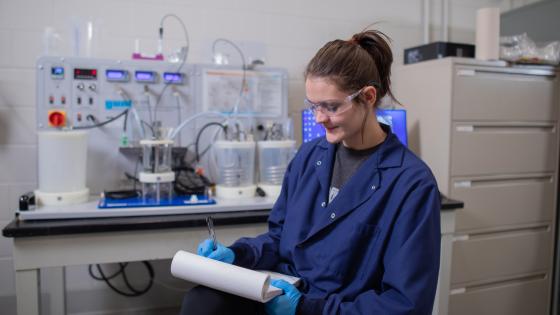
57,118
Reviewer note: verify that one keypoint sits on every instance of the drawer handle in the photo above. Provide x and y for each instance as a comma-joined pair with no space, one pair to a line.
505,72
502,181
510,281
547,128
507,232
466,72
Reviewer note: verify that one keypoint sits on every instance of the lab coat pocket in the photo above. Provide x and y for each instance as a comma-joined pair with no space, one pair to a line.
347,254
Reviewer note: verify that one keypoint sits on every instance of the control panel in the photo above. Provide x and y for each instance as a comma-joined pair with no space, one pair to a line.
120,101
82,92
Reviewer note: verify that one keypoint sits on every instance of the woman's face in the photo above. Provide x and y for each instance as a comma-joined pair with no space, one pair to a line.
343,127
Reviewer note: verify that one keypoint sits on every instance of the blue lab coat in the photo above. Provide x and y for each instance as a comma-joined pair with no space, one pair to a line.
373,250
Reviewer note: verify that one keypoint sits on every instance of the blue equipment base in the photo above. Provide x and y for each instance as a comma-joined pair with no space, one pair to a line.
139,202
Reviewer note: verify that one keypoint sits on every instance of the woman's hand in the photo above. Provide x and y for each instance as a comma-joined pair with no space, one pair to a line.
285,304
221,253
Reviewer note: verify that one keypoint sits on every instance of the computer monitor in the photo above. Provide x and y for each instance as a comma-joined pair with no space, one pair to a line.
395,118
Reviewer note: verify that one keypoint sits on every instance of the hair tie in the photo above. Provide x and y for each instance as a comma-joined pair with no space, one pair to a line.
353,41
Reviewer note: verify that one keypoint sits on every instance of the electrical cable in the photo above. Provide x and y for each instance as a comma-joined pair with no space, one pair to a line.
200,133
208,147
173,133
183,60
125,121
149,126
122,194
103,123
188,182
118,272
243,67
125,97
148,104
122,272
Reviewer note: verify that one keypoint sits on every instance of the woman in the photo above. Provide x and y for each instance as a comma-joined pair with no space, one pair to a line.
358,216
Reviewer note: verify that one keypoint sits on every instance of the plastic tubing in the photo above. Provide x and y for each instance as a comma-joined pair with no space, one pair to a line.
176,131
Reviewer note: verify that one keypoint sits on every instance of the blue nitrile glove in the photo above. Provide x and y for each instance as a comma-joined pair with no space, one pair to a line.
285,304
221,253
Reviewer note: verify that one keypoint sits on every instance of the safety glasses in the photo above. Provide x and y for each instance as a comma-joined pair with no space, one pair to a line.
332,107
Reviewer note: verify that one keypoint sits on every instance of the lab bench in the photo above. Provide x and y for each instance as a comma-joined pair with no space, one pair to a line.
65,242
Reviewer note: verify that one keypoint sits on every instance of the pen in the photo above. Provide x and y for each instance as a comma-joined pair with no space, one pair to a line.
210,223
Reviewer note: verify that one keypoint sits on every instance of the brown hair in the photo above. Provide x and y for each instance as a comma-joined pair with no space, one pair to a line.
363,60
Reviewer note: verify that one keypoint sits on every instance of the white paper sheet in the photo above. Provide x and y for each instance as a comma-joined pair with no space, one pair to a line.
229,278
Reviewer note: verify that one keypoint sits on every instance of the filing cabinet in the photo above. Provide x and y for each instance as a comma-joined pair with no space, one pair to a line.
489,132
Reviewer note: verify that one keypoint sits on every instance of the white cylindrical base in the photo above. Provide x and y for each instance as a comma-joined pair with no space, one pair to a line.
62,160
487,43
272,191
156,177
62,198
235,192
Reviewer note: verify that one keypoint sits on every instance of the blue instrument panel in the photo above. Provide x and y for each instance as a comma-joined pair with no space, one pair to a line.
395,118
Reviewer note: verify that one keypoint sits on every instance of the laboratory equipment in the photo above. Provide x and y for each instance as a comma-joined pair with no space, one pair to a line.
157,176
236,169
121,103
62,168
395,118
437,50
274,157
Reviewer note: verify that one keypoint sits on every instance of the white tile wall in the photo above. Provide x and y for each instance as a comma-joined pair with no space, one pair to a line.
17,125
25,14
291,31
5,41
19,163
27,45
17,86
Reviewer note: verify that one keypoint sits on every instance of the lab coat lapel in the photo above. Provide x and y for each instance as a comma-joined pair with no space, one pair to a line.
361,186
355,192
323,167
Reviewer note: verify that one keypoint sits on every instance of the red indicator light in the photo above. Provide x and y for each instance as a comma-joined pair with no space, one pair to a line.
57,119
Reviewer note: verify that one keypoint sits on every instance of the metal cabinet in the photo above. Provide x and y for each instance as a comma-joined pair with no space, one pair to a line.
489,133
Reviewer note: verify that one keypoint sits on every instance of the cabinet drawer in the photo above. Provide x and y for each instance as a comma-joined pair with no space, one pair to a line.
481,257
500,148
514,298
505,200
485,95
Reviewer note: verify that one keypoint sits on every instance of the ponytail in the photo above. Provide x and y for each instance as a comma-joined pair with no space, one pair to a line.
365,59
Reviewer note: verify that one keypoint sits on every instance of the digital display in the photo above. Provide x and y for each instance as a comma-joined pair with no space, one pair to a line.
173,77
57,72
145,76
395,118
116,75
85,74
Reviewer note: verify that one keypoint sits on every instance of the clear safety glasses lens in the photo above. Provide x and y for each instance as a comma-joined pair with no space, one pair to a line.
332,108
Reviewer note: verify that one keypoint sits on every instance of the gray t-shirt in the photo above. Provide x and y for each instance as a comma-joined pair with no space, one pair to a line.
346,162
